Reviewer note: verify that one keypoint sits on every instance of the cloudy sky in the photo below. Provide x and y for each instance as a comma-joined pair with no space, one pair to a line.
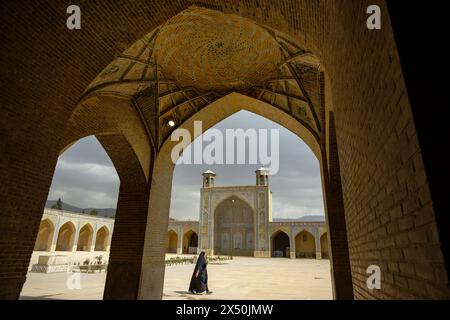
85,176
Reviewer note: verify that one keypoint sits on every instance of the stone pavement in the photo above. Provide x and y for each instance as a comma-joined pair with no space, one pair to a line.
240,278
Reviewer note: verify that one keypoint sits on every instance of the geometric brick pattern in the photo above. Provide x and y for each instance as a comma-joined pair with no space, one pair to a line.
181,67
389,214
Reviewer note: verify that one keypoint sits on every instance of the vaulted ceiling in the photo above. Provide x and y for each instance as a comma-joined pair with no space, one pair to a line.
199,56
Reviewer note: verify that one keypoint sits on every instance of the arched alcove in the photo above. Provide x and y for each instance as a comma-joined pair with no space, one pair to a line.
45,236
190,242
102,239
85,237
280,244
233,225
66,236
172,242
305,245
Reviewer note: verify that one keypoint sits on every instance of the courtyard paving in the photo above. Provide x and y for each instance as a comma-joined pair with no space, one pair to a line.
240,278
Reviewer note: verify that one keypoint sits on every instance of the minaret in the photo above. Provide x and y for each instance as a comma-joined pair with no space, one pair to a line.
206,230
208,179
262,177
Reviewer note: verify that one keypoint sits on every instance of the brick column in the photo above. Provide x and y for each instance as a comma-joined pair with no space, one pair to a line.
180,241
94,238
153,261
76,237
125,259
317,243
26,180
335,217
55,236
111,231
292,244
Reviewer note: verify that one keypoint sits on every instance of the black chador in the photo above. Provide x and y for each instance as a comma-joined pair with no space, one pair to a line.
199,280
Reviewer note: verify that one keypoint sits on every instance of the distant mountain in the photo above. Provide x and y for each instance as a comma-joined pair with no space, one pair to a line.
315,218
104,212
65,206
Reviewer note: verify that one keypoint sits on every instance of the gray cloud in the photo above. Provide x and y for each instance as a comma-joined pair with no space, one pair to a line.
297,189
85,176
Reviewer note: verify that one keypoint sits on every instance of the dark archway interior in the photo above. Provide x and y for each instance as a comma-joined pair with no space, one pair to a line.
190,242
280,245
193,240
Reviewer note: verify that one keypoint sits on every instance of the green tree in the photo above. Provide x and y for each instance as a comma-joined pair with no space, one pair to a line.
93,212
57,205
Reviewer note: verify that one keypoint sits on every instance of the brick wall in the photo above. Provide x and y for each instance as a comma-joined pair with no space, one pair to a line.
388,209
389,215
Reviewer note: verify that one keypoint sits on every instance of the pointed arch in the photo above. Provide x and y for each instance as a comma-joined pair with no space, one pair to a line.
234,222
85,237
190,242
102,239
172,242
45,236
305,245
66,236
279,244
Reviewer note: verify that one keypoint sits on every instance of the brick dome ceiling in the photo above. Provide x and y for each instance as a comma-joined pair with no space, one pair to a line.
210,50
201,55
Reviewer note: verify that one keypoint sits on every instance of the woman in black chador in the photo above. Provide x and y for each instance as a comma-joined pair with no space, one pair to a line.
199,280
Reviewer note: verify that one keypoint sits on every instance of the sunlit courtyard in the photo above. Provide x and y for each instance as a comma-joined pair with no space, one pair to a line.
240,278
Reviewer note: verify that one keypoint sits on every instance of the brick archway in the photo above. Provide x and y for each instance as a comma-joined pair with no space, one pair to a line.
161,189
372,162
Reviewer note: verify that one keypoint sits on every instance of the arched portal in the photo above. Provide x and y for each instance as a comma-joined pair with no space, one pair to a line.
324,246
280,244
102,238
234,228
66,237
190,242
172,242
305,245
370,155
45,236
85,238
120,132
179,103
163,170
